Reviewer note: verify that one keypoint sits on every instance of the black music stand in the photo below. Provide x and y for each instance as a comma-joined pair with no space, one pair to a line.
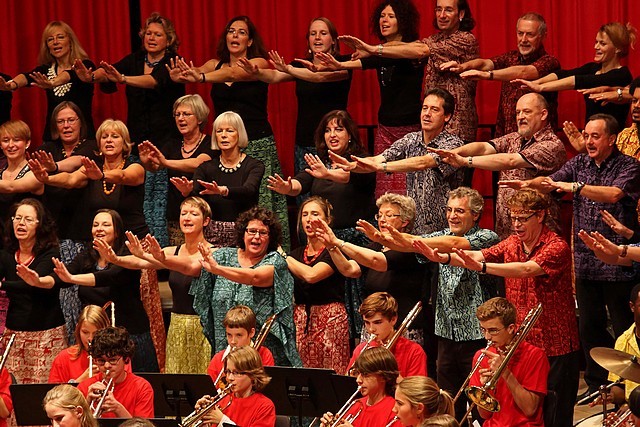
176,395
27,403
158,422
306,392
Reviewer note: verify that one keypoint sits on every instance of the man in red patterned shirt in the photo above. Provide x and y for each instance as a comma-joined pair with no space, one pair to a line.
536,265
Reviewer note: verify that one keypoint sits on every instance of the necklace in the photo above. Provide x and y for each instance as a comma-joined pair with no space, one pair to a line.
185,151
149,63
305,255
104,182
27,262
73,150
232,169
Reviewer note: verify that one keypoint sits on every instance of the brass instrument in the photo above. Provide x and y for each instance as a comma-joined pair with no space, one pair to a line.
341,415
256,344
7,349
411,316
97,409
90,360
371,339
473,371
194,419
481,396
264,331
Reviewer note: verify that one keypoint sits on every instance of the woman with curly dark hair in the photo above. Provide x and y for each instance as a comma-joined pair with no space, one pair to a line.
234,89
400,80
101,282
253,274
351,194
34,315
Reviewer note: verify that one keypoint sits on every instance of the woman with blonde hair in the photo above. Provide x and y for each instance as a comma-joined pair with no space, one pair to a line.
418,399
72,364
59,49
66,406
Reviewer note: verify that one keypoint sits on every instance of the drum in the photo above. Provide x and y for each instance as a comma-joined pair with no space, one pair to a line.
592,421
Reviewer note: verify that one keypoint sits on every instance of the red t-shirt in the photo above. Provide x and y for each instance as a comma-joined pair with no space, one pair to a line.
256,410
378,415
65,368
216,365
134,393
410,356
5,382
530,366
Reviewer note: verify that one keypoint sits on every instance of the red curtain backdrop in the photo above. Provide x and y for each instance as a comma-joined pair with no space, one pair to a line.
103,30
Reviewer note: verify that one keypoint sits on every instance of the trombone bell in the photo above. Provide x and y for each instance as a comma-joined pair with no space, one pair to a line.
482,399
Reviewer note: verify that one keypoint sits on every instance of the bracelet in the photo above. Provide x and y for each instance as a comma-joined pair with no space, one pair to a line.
484,268
579,186
102,174
625,249
93,77
14,88
490,74
344,242
124,79
202,78
448,259
384,167
380,47
56,169
470,161
619,91
332,248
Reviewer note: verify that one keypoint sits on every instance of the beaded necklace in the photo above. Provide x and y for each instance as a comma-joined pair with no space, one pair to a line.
194,148
27,262
225,169
305,255
104,182
75,147
149,63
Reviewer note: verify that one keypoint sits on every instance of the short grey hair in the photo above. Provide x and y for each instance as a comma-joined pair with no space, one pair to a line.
405,204
197,106
235,121
534,16
476,201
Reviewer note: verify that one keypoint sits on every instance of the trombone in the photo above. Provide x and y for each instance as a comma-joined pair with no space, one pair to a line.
194,419
481,396
473,371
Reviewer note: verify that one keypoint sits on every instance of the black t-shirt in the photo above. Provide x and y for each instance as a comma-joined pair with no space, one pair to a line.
63,202
249,100
326,291
400,83
405,279
116,284
76,91
586,78
180,284
317,99
351,201
31,308
243,183
172,151
150,111
5,101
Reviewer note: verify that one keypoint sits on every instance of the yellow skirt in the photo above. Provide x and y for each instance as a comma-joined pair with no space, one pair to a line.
188,351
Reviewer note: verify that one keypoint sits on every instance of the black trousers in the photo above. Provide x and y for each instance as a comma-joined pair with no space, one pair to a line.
595,297
454,364
564,375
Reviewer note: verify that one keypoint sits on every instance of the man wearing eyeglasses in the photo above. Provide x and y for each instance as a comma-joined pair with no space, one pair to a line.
523,383
129,395
536,265
601,179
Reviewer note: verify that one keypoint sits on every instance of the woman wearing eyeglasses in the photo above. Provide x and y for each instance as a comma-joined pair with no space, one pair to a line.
247,406
180,157
34,315
101,282
253,274
319,270
59,48
229,182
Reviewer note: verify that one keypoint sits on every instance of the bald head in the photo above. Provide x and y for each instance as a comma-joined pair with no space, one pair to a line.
531,114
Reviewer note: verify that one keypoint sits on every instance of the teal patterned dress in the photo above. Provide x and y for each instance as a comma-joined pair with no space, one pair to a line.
215,295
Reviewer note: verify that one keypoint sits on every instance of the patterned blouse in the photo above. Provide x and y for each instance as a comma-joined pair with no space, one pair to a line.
429,188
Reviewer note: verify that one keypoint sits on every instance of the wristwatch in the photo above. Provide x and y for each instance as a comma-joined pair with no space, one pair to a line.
619,94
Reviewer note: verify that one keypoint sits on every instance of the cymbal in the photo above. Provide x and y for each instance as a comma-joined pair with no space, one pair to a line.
618,362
